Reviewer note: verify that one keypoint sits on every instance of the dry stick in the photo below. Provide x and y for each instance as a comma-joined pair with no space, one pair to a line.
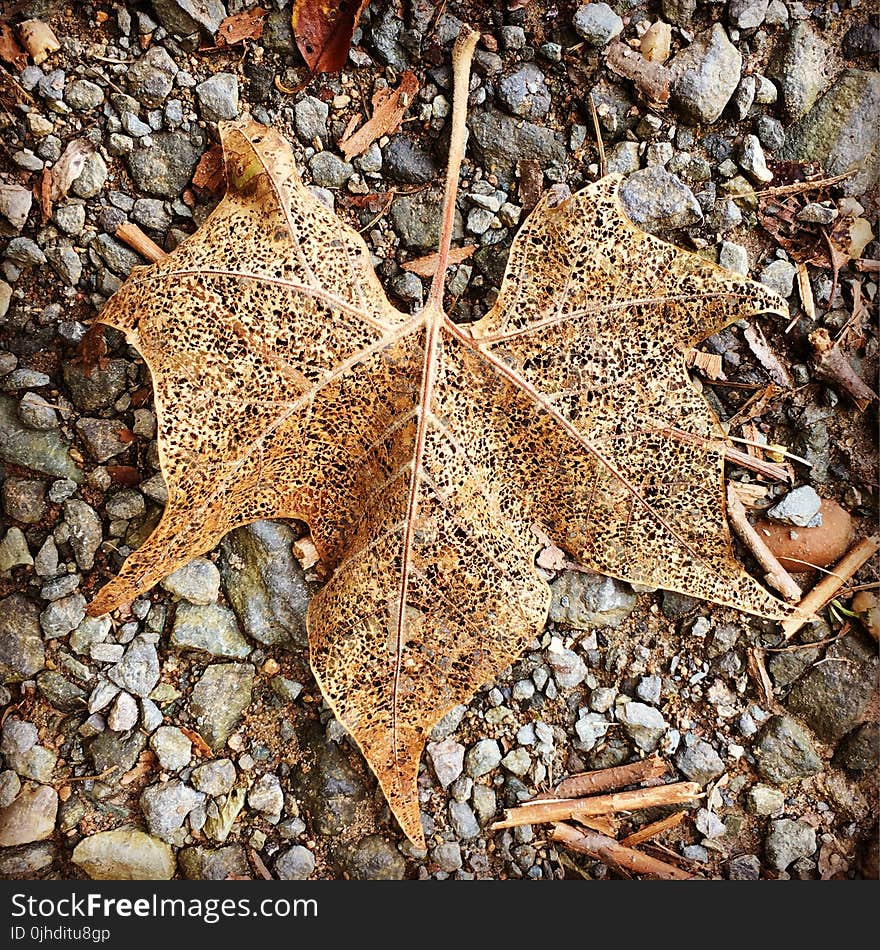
777,576
616,855
606,780
829,586
867,265
654,829
566,809
600,145
831,364
132,235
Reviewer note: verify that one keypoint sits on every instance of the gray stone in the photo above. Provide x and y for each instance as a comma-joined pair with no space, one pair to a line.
67,263
448,856
659,201
779,276
123,713
218,97
31,817
500,141
14,551
51,85
219,699
18,737
91,179
295,864
133,126
310,115
705,75
785,753
597,23
734,257
98,389
24,252
264,583
752,161
859,750
590,727
747,14
138,671
840,132
831,698
166,805
24,499
189,16
329,170
463,820
266,797
63,615
166,167
623,158
584,600
373,859
38,763
125,504
449,723
15,204
416,219
787,841
799,507
173,749
799,68
698,761
447,759
524,91
85,531
679,11
405,161
197,582
208,627
482,757
151,213
151,78
277,32
83,95
517,761
119,258
214,778
764,800
643,724
26,861
329,787
569,670
101,437
744,867
818,213
60,692
117,750
862,39
214,864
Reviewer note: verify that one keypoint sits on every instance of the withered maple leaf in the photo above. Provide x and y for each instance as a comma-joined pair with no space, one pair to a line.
420,451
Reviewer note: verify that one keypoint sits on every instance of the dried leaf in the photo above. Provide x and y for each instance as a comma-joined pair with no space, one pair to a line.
420,451
531,182
425,266
651,78
10,50
758,344
323,31
69,167
210,173
389,107
235,29
38,39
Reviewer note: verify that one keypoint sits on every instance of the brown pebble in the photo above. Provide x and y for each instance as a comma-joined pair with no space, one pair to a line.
799,549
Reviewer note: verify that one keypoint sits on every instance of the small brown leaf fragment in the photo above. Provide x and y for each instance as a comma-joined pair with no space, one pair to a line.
92,350
531,182
656,42
651,78
389,107
210,173
246,25
323,31
69,167
831,364
425,266
709,364
126,436
38,39
10,50
198,742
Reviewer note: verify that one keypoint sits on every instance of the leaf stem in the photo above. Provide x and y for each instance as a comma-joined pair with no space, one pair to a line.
462,55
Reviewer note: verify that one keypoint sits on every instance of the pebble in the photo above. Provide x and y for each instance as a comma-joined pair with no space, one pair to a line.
482,757
63,615
151,213
698,761
373,859
214,778
501,141
24,252
123,714
705,75
184,17
165,806
117,749
14,551
218,97
779,276
22,653
10,786
648,689
197,582
166,167
447,760
752,161
787,841
15,204
18,737
124,854
798,66
657,200
584,600
151,78
219,699
30,817
310,116
517,761
101,438
765,800
214,864
447,856
744,867
138,672
858,750
266,797
60,692
569,670
83,95
295,864
329,170
800,508
208,627
100,388
92,178
597,23
463,820
784,752
416,219
524,92
643,724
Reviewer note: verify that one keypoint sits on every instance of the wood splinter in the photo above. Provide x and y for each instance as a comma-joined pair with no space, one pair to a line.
132,235
607,780
832,365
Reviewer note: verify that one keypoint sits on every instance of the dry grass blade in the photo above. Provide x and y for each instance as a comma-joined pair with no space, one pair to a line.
617,855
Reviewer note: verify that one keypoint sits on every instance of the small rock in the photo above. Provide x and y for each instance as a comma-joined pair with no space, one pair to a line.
123,714
329,170
643,724
14,551
63,615
214,778
799,507
698,761
447,758
101,438
39,451
569,670
15,204
124,854
98,389
266,797
501,141
584,600
24,252
765,800
18,738
744,867
779,276
310,115
138,671
406,162
448,856
85,532
657,200
524,92
60,692
859,750
219,699
92,178
734,257
27,861
166,167
623,158
329,787
373,859
198,582
31,817
747,14
166,805
517,761
799,68
83,95
214,864
184,17
752,161
787,841
785,752
463,820
597,23
862,39
151,213
705,76
218,97
482,757
115,749
208,627
174,752
151,78
295,864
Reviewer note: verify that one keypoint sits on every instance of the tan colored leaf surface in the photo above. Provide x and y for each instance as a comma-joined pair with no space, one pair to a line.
246,25
389,106
425,266
422,453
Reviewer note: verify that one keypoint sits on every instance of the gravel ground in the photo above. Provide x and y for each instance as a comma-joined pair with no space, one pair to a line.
188,738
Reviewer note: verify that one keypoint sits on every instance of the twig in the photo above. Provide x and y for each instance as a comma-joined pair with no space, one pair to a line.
758,672
606,780
825,590
259,866
600,145
616,855
831,364
132,235
867,265
566,809
654,829
86,778
777,576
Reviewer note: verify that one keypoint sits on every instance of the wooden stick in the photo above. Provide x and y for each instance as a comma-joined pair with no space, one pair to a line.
758,672
830,585
604,824
776,575
616,855
606,780
132,235
600,145
831,364
566,809
654,829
